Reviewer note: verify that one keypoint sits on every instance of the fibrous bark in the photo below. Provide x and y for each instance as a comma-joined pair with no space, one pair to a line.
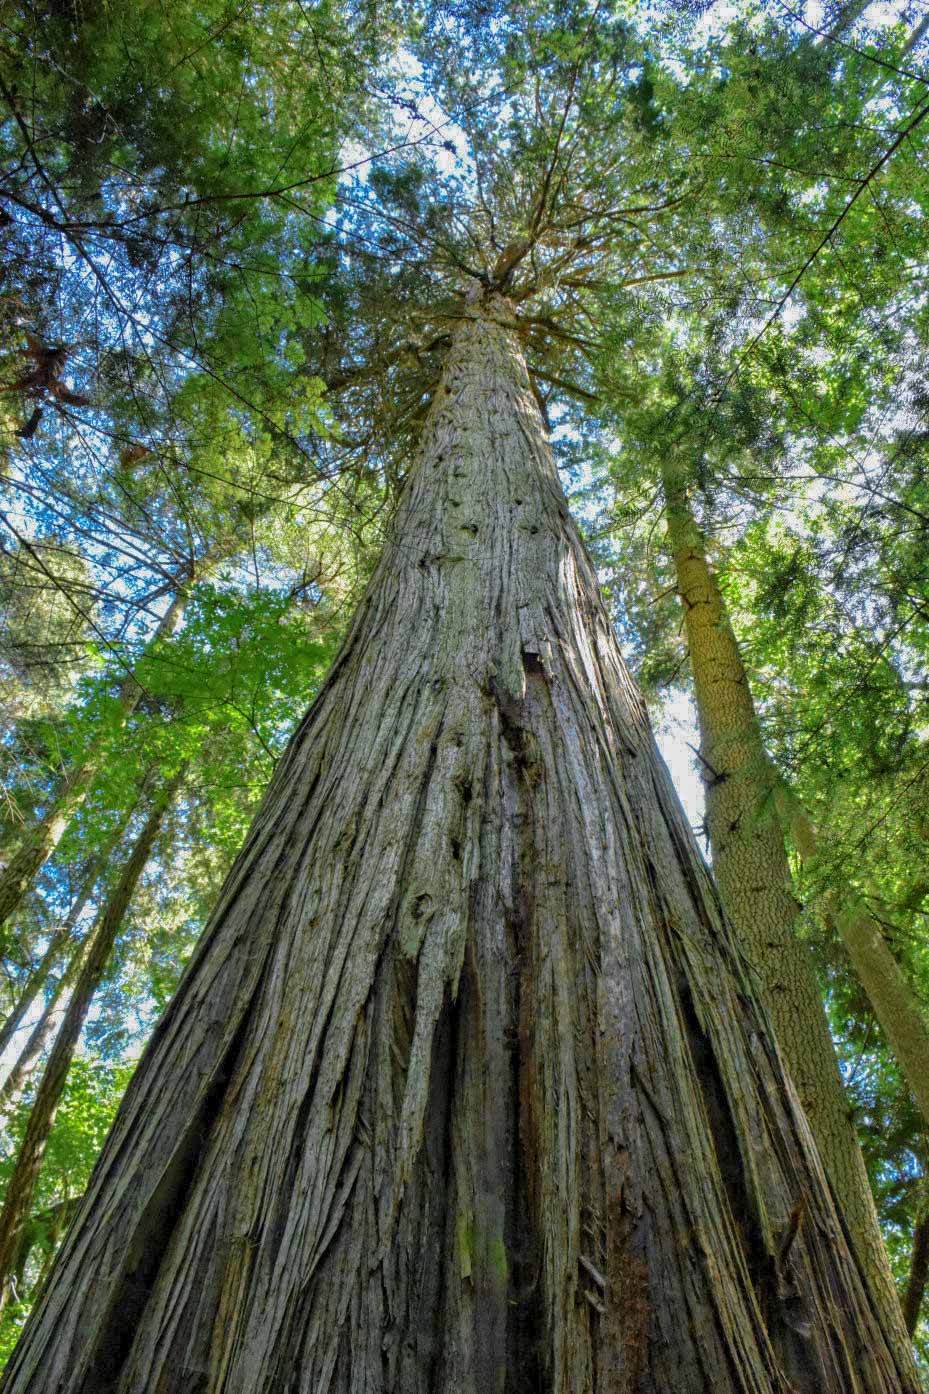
466,1088
752,871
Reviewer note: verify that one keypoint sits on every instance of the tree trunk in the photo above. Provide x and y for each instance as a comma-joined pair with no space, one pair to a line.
39,1035
466,1088
752,872
899,1011
58,941
919,1273
844,20
22,1183
896,1006
36,980
19,875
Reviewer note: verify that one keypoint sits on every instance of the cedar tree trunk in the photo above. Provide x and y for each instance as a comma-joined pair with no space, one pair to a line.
899,1011
466,1088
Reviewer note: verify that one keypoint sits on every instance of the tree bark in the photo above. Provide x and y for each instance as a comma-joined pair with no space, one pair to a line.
899,1011
918,1275
22,1183
19,875
36,980
466,1088
896,1006
752,871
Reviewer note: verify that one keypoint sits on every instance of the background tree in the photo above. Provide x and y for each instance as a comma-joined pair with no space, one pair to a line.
785,423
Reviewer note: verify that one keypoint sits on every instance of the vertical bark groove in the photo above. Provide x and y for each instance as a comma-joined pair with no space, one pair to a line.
463,1143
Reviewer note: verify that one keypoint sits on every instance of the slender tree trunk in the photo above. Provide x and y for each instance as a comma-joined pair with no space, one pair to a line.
37,979
19,875
752,871
38,1037
896,1006
58,942
919,1273
915,36
899,1011
466,1088
22,1183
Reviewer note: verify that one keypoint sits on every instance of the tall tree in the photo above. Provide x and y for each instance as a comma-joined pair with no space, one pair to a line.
742,407
536,1130
752,869
532,1066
